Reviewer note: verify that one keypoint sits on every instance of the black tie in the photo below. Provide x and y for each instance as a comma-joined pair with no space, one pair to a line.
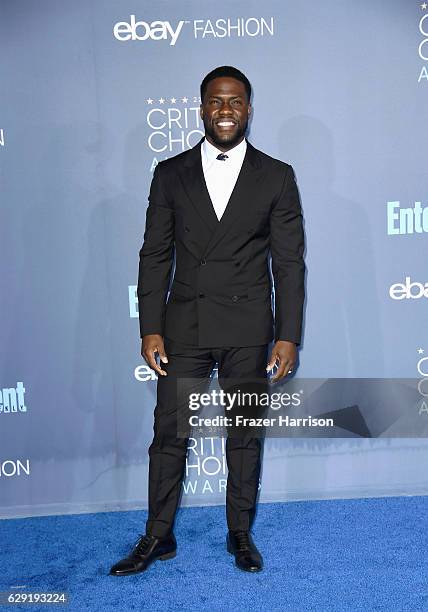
222,156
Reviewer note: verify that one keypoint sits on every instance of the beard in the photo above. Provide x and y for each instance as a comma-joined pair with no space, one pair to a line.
224,138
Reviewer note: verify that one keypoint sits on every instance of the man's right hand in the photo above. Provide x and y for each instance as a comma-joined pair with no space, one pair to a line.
151,344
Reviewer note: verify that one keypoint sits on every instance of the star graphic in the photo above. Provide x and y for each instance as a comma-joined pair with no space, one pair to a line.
184,99
173,100
161,100
149,101
421,351
423,6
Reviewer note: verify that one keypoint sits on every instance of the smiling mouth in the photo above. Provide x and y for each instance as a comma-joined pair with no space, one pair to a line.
226,124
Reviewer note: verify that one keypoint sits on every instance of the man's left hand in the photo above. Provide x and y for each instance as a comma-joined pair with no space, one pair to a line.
284,355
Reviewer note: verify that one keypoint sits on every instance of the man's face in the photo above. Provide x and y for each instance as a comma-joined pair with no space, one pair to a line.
225,110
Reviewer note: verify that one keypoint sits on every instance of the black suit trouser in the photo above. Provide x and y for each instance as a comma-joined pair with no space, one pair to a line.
167,453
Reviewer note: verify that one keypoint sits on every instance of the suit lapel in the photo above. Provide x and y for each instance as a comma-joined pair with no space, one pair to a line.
240,200
192,177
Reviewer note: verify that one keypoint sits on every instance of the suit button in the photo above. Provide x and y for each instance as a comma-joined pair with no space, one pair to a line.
186,229
201,295
235,298
237,263
203,262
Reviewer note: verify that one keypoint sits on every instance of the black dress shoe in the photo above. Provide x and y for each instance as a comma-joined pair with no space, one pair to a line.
247,557
146,550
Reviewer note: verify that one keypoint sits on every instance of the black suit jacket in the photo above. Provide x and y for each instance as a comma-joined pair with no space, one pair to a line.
221,291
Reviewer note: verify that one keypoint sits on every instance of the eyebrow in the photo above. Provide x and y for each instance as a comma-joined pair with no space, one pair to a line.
224,96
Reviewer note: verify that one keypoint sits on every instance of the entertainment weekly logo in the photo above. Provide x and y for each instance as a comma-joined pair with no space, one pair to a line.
411,220
12,399
157,31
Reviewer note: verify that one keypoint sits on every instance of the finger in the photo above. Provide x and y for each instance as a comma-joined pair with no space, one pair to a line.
162,355
282,371
274,357
289,369
279,373
151,360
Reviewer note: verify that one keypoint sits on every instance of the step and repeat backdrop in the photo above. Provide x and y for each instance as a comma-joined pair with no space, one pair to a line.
96,93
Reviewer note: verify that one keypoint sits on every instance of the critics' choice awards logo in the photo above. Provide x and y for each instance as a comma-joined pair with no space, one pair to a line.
423,44
140,30
206,466
174,124
412,220
12,399
422,369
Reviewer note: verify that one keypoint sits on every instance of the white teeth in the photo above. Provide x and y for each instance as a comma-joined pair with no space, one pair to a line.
225,123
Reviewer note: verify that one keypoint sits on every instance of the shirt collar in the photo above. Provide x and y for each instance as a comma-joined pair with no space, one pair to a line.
210,152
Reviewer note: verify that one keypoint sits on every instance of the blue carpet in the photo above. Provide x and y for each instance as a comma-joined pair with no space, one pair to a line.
364,554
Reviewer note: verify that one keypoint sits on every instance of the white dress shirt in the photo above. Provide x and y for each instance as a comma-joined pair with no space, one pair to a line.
221,175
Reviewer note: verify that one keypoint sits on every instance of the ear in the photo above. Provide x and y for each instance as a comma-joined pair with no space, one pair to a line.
201,112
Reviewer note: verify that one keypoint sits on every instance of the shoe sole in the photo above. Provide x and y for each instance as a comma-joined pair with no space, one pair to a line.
164,557
167,556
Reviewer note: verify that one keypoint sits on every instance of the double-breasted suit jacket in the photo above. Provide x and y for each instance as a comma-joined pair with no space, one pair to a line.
220,294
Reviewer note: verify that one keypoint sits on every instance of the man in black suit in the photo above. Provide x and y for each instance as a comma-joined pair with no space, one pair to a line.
222,208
